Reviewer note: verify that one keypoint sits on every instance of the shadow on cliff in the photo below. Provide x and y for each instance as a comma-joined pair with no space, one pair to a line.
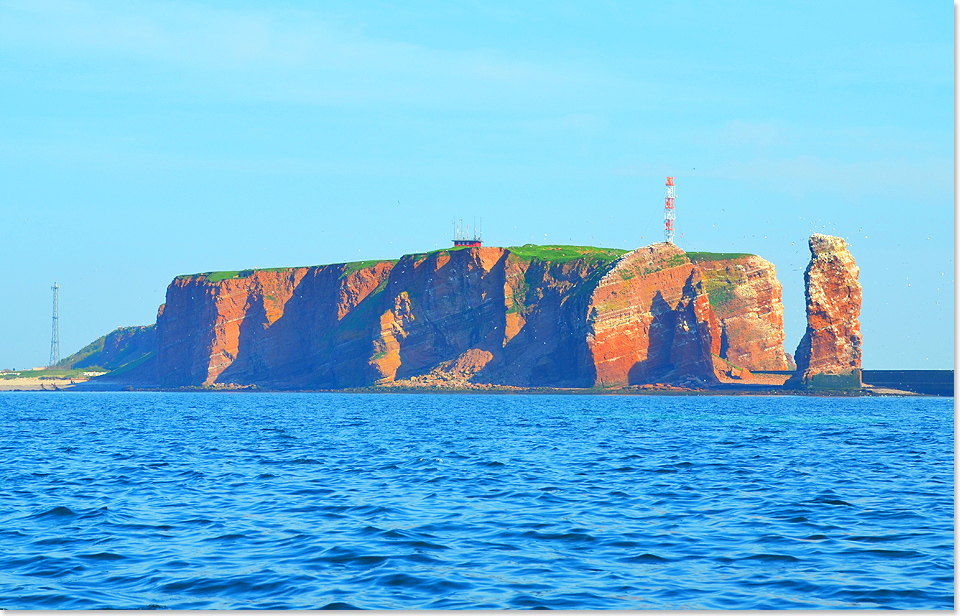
457,306
661,335
249,358
550,349
309,345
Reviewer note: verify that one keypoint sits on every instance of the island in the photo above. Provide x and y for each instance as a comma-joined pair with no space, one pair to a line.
656,318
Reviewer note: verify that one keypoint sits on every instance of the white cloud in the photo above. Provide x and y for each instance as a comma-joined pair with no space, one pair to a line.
805,175
273,55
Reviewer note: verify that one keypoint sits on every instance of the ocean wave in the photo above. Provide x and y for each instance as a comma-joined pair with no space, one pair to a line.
319,501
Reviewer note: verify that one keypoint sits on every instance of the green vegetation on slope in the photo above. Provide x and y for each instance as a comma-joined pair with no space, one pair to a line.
356,266
563,254
720,283
91,350
719,291
674,261
697,257
129,345
421,255
555,254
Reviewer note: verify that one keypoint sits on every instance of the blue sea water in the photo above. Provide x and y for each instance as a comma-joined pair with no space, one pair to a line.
218,500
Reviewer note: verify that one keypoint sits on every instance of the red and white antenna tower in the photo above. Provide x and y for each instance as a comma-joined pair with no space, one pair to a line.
669,214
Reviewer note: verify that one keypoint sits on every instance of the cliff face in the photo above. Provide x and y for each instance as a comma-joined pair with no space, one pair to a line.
463,312
829,352
282,326
437,307
524,316
747,298
650,320
545,307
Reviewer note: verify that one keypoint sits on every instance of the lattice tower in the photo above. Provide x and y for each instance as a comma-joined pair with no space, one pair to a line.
55,335
669,213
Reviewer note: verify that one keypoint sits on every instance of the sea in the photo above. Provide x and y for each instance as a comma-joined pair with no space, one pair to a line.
459,501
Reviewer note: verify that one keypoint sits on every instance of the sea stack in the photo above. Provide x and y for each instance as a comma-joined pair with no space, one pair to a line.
828,356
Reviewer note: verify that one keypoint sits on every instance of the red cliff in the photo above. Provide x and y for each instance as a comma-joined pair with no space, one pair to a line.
269,325
650,320
489,315
747,298
528,316
829,352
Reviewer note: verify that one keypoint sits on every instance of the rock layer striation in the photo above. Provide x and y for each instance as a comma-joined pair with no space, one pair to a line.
526,316
829,353
650,320
748,301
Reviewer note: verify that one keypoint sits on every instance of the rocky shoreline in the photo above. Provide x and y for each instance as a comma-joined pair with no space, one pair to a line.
729,389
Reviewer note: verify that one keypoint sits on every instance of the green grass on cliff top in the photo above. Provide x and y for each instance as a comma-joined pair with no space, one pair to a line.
218,276
697,257
557,254
562,254
349,268
356,266
553,253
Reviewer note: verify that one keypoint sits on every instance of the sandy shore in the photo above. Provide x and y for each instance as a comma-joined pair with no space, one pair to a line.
38,384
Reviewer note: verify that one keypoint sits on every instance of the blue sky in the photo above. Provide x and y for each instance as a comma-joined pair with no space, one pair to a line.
139,141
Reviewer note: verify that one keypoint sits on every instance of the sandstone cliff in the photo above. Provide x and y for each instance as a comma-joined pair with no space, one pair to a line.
650,320
525,316
829,352
283,327
747,298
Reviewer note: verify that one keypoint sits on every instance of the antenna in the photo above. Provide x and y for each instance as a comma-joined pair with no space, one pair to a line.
55,336
669,213
461,233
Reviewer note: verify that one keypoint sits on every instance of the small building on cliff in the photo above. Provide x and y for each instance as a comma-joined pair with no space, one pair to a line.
461,235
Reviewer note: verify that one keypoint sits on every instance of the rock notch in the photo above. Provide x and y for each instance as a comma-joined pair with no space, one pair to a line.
828,356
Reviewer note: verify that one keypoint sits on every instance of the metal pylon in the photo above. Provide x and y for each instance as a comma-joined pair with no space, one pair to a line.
55,336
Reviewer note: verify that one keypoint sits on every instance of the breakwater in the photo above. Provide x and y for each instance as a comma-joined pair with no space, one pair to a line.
929,382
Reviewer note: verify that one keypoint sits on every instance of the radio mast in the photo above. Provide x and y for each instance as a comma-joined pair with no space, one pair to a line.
55,336
461,233
669,213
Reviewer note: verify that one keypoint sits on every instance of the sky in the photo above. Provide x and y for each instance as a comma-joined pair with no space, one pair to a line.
140,141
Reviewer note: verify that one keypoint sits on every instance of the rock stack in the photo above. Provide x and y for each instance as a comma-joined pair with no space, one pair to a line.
829,353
